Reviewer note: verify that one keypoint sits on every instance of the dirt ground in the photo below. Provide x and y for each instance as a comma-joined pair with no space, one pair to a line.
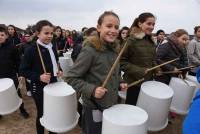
15,124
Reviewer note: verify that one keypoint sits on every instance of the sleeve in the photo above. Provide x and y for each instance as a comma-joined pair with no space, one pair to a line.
127,66
162,52
191,53
75,76
16,59
26,66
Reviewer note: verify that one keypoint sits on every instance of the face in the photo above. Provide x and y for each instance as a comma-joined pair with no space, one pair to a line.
147,26
27,37
46,34
64,33
11,30
161,36
3,37
124,34
198,33
183,40
58,32
109,29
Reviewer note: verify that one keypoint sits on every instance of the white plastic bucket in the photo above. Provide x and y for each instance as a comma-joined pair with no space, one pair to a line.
60,108
155,98
9,99
66,64
67,54
193,79
124,119
183,94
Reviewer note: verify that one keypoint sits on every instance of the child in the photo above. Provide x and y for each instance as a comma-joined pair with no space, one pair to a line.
175,47
90,70
13,36
193,50
123,35
9,63
32,69
59,40
139,55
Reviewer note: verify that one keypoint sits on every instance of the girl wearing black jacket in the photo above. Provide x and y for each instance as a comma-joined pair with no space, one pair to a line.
174,48
59,41
13,37
32,69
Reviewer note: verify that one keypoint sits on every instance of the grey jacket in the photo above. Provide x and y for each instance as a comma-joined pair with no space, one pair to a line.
193,50
90,70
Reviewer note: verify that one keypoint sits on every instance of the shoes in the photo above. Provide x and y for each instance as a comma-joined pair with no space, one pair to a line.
1,116
29,93
24,114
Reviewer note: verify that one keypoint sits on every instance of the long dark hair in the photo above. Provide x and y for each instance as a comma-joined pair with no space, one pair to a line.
141,18
61,35
15,31
120,32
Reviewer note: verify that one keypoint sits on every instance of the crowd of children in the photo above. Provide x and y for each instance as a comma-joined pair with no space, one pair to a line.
34,56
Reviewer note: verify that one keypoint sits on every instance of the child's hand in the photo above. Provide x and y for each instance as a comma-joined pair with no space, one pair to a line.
123,86
45,77
99,92
59,73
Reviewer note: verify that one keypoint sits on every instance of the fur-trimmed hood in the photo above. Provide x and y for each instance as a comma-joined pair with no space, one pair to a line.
172,39
95,42
137,33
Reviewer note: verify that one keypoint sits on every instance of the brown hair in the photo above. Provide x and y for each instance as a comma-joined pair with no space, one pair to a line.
15,31
142,18
41,24
196,28
180,32
3,30
106,13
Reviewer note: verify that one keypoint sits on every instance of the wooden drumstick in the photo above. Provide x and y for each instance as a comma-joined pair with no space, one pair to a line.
178,70
114,65
135,82
165,63
41,59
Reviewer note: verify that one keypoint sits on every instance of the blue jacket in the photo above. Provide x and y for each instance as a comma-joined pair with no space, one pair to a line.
191,123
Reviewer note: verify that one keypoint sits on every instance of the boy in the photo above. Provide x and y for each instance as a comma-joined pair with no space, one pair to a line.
9,61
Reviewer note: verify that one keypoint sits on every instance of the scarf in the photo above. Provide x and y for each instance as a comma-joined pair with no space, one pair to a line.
53,59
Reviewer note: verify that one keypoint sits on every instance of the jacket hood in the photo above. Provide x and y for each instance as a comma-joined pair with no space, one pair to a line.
137,33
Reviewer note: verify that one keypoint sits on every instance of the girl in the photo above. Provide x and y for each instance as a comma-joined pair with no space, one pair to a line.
31,66
69,40
13,36
193,50
174,48
59,40
90,70
123,35
139,54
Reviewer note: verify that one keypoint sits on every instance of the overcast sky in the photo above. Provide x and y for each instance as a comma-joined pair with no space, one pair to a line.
75,14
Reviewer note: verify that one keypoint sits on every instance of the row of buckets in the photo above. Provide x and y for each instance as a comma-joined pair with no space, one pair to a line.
151,113
156,99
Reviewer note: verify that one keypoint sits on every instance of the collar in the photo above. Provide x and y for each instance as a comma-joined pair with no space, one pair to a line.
48,46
